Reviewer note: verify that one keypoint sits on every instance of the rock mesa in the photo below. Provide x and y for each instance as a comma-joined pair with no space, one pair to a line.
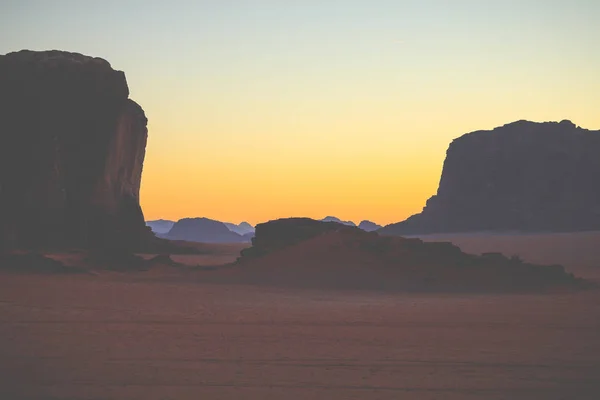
524,176
305,252
72,147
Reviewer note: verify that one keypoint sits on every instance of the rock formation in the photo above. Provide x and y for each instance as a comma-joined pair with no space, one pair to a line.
339,221
203,230
369,226
248,236
280,233
72,146
243,228
523,176
28,262
160,225
304,252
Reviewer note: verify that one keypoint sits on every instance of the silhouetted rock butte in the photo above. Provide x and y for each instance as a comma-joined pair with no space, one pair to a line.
72,145
301,251
203,230
524,176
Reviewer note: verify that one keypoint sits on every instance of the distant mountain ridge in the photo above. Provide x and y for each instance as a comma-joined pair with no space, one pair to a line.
339,221
369,226
203,230
523,176
160,225
243,228
365,225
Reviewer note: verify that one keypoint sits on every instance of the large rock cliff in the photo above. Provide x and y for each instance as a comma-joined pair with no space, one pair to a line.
72,146
523,176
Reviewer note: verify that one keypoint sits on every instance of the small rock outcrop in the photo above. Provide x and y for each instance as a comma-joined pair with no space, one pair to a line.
72,147
203,230
524,176
300,251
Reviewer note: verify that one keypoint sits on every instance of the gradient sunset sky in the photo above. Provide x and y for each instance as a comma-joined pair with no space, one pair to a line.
266,109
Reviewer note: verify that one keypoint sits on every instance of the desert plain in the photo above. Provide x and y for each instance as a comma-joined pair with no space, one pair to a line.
166,333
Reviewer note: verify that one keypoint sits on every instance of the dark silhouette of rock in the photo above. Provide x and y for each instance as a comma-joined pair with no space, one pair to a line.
33,262
203,230
160,225
280,233
339,221
72,146
307,252
163,259
160,245
369,226
523,176
241,229
116,259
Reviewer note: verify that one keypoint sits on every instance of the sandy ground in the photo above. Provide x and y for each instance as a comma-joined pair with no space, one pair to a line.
578,252
135,336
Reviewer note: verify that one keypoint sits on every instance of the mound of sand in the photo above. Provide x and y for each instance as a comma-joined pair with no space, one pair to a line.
304,252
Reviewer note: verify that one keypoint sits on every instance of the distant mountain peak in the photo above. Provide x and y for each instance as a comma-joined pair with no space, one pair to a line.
160,225
330,218
202,229
243,228
369,226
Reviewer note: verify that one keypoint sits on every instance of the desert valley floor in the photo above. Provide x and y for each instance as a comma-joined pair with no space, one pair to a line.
161,335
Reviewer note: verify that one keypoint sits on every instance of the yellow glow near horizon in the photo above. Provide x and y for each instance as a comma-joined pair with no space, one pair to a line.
349,172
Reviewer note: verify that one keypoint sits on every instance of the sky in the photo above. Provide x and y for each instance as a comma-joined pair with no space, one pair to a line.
266,109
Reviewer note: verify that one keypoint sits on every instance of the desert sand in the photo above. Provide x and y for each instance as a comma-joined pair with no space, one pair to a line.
161,334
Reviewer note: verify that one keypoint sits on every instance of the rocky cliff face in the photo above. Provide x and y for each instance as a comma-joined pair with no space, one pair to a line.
72,146
523,176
